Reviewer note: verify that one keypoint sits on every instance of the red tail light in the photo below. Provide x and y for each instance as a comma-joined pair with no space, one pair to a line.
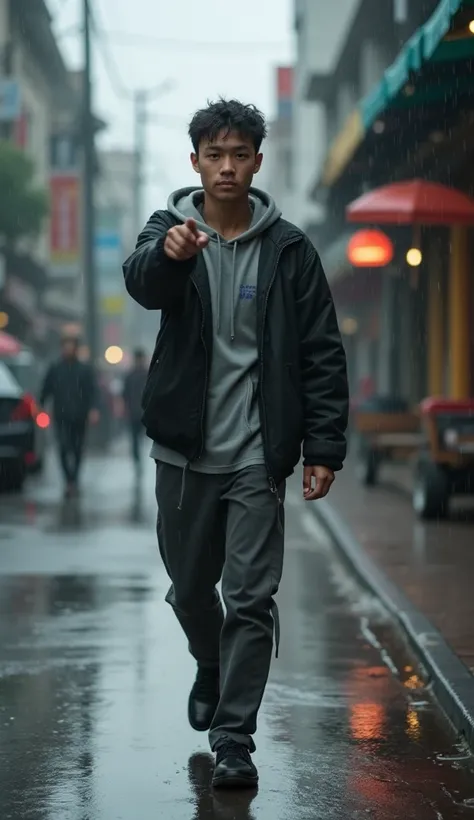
43,420
25,410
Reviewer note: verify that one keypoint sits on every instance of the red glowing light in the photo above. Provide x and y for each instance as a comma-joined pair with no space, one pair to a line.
43,420
370,249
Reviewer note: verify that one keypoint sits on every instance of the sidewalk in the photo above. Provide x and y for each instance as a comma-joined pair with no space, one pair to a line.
433,564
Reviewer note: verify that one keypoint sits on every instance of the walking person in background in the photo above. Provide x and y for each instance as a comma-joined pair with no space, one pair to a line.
71,387
248,366
133,386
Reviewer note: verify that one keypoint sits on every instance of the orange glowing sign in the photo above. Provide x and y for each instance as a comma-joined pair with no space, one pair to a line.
370,249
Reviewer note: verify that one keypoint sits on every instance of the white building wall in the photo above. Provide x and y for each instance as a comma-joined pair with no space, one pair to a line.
275,175
321,29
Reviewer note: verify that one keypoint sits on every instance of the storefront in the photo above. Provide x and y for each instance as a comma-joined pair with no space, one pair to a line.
416,124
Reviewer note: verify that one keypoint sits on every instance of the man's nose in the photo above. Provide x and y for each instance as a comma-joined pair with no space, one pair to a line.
227,166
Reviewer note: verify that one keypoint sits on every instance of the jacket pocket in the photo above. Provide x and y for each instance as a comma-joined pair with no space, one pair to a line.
158,356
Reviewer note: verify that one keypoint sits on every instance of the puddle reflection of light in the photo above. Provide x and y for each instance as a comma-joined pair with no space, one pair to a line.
413,725
367,721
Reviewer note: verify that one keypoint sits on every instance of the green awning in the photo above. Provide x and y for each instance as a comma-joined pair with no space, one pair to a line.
427,44
438,25
427,71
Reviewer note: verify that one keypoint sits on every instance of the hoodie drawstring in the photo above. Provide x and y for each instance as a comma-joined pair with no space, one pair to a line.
219,274
232,294
233,306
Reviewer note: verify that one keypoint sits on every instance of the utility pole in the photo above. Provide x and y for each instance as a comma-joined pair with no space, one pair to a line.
89,221
141,99
140,120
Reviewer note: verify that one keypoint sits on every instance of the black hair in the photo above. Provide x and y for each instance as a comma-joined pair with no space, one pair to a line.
227,115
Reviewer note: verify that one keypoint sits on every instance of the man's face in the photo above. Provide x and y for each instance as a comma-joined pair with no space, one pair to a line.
227,165
69,348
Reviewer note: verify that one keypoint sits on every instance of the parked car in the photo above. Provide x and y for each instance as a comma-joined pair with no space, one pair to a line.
20,421
27,371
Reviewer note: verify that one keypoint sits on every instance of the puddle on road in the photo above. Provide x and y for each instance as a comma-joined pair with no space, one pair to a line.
95,675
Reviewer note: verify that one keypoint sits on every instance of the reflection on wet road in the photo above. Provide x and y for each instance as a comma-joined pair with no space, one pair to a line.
94,679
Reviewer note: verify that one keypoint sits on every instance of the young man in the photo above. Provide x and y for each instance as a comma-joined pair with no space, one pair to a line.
248,366
71,386
133,386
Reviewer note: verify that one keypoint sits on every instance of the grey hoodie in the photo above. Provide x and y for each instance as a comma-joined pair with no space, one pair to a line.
233,438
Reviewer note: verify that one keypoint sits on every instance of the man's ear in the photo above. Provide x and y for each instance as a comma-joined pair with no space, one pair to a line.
195,162
258,163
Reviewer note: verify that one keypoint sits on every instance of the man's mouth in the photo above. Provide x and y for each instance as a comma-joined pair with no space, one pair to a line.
226,184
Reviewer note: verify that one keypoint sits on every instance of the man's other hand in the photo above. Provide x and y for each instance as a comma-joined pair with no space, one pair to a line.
317,482
185,241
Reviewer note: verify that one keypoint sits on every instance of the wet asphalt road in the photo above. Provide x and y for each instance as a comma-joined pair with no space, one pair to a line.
94,679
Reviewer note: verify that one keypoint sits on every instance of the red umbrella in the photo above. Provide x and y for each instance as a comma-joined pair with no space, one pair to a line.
9,346
413,202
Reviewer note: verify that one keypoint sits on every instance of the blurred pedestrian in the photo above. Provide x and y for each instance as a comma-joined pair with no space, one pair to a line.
71,386
133,386
248,366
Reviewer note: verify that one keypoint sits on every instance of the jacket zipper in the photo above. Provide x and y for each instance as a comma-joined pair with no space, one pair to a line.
203,405
271,480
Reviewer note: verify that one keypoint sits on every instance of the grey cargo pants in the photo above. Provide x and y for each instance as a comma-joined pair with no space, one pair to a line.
227,527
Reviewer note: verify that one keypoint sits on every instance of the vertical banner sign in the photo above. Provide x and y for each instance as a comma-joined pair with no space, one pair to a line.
65,216
65,208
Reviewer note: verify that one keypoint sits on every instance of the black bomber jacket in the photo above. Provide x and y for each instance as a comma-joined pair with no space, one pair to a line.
303,390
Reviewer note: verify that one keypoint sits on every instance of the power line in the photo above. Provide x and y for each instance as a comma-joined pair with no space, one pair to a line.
141,40
124,39
119,87
101,37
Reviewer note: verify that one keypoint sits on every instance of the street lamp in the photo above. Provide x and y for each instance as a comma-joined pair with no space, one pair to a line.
113,354
414,257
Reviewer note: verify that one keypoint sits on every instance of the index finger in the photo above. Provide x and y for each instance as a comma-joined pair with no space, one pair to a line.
191,224
181,233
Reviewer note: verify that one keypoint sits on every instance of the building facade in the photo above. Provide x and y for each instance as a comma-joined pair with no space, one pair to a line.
397,105
43,105
276,174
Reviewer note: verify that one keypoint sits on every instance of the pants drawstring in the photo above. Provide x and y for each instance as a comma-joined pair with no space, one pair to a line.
183,486
276,621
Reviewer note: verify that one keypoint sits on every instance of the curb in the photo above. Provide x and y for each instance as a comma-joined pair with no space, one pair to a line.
452,683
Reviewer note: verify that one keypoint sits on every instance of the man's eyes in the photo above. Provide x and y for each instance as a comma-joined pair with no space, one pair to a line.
217,156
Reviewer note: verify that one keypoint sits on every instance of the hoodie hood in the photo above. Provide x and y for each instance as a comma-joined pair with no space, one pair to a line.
227,276
188,203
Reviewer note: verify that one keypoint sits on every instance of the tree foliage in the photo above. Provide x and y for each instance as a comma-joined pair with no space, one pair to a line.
23,205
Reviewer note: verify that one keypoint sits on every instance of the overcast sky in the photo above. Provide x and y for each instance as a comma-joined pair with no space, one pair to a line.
207,48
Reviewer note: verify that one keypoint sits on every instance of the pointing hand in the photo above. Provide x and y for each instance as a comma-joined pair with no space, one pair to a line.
185,241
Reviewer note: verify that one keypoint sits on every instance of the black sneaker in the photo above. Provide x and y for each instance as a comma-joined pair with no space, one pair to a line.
204,698
234,767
